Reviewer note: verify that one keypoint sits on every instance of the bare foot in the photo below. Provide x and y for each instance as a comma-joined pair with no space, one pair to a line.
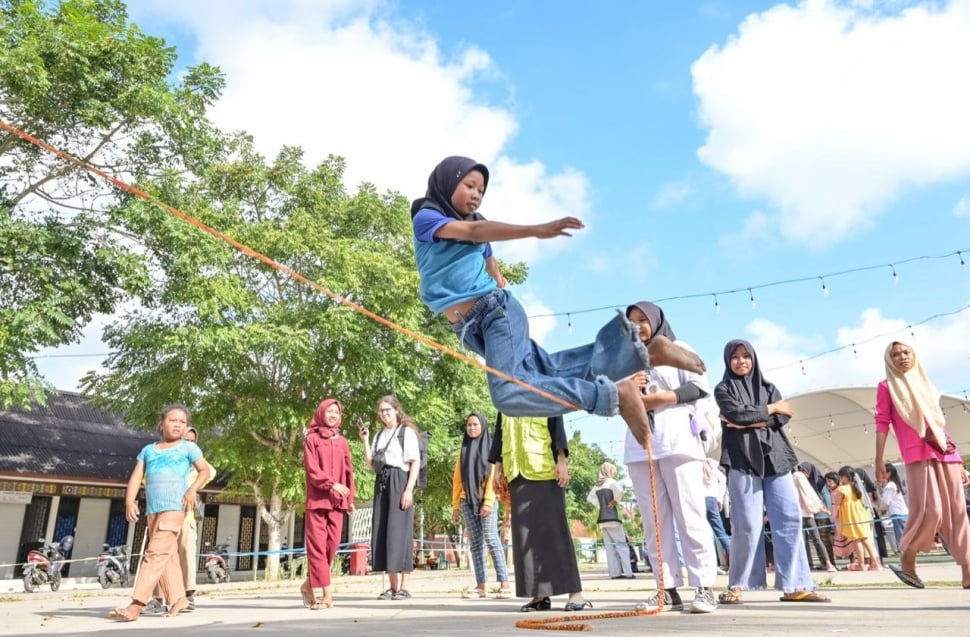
129,613
632,410
327,601
176,608
663,351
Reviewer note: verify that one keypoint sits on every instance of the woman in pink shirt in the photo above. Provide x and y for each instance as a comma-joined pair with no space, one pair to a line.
909,402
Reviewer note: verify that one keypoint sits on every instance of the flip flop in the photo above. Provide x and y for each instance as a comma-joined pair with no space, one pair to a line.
805,596
909,579
730,597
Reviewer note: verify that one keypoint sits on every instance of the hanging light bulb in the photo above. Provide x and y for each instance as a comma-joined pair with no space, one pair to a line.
754,303
831,422
825,289
802,363
911,332
830,435
963,264
895,276
717,306
854,353
865,429
569,323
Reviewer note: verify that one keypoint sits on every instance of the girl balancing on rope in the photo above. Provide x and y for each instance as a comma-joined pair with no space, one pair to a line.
460,278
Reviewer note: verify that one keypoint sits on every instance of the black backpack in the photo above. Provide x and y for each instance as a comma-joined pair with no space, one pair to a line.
423,437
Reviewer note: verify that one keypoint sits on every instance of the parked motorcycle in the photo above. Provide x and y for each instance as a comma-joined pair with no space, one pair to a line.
292,564
217,562
113,566
44,564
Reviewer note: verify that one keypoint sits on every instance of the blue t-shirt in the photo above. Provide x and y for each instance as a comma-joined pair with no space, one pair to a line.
450,271
167,475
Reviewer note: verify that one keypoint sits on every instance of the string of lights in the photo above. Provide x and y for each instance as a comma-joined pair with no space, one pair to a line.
749,289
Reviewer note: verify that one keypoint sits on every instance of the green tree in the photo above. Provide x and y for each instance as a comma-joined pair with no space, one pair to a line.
78,75
251,351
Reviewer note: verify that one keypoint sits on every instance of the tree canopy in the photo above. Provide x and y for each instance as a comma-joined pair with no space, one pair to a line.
81,77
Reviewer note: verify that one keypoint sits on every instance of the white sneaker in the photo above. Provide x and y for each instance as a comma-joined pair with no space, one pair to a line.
653,602
704,601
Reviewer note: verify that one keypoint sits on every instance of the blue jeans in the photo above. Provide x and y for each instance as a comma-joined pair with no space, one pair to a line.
899,524
482,533
717,525
751,497
497,328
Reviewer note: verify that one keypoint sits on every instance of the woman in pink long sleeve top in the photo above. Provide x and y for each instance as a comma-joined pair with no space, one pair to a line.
909,403
329,492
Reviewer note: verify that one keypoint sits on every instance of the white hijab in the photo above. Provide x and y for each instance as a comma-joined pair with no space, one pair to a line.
915,397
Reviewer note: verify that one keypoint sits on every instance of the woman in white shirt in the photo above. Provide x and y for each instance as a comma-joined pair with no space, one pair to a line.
893,496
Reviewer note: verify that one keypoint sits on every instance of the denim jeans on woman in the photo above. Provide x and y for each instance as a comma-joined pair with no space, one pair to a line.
751,496
482,533
497,328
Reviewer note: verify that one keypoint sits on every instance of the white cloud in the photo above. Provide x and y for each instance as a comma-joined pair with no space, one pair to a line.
357,80
541,322
671,194
942,345
757,226
828,111
962,209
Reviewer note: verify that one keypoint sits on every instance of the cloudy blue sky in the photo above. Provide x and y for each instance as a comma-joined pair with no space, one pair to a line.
709,146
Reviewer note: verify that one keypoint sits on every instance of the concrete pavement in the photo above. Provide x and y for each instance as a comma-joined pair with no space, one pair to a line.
864,603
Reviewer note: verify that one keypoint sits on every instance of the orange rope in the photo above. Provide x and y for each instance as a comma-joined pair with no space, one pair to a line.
572,622
280,267
554,623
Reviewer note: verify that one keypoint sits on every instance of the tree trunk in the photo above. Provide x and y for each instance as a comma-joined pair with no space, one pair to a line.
274,518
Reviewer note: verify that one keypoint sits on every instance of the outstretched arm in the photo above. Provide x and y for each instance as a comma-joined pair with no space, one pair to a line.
485,230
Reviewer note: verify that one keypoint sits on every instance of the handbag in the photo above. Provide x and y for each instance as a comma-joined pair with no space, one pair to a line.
931,440
378,460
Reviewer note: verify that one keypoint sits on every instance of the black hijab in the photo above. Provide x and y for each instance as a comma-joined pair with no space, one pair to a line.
442,183
474,463
761,449
751,389
814,475
658,322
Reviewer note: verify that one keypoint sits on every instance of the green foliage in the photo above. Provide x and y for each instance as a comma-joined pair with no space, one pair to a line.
80,76
251,351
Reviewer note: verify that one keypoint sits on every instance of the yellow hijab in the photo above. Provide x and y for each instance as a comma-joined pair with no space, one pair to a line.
915,397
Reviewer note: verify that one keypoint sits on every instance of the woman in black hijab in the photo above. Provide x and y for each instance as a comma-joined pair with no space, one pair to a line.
473,497
759,461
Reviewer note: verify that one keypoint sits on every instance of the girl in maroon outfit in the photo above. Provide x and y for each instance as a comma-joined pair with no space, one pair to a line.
329,492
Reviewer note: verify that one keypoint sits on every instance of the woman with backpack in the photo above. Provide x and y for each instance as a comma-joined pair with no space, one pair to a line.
396,461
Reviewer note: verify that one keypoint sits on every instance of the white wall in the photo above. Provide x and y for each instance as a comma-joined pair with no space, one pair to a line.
228,525
11,524
91,530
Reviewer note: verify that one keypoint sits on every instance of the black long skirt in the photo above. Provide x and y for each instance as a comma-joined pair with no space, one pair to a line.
542,548
392,530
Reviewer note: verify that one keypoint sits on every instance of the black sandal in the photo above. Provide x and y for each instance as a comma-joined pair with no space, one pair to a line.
909,579
537,604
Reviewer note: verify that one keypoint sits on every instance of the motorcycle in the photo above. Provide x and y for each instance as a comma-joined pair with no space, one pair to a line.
113,566
292,564
44,564
217,562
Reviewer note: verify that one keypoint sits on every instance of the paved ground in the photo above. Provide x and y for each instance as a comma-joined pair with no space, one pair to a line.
867,603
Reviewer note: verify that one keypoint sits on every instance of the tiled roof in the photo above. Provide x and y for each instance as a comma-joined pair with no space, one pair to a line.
68,437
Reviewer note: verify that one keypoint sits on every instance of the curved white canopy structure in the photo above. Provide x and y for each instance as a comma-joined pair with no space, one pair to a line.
835,427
